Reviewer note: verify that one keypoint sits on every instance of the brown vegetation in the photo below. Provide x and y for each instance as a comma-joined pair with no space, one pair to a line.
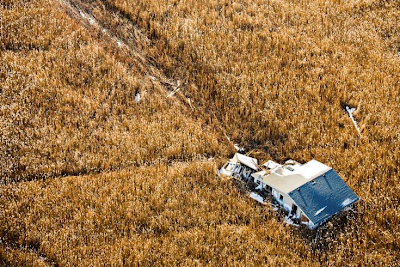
178,215
271,75
68,107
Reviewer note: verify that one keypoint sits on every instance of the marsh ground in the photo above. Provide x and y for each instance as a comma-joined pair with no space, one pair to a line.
91,178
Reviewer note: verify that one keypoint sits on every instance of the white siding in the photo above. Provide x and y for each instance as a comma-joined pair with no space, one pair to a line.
287,202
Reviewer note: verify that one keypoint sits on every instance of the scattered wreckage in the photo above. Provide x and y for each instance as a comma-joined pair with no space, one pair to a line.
240,166
311,193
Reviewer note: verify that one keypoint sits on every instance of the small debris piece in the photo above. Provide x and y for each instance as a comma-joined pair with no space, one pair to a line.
190,102
350,111
91,20
288,220
257,197
173,92
137,97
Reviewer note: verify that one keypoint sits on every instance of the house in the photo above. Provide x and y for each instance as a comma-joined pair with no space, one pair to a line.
240,166
311,192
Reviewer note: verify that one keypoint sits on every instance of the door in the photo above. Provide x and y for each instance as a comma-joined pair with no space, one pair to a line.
294,209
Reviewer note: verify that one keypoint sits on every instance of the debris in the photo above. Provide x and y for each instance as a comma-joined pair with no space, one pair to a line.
350,111
238,148
257,197
260,187
240,166
173,92
137,97
290,162
288,220
91,20
190,103
271,165
119,43
88,17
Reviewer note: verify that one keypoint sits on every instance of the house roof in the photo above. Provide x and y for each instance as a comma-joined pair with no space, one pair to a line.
323,196
271,164
258,175
245,160
287,178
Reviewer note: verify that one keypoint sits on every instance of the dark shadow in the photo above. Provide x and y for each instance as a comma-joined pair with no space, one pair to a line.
324,238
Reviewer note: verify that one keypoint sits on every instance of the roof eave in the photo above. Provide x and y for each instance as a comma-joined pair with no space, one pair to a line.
326,218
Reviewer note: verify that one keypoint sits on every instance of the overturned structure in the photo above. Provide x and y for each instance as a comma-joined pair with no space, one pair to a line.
240,166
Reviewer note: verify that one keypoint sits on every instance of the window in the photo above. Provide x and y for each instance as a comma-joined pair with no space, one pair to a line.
280,197
230,167
289,168
238,169
258,182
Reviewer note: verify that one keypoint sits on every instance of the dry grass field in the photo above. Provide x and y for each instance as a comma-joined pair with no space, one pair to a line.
90,177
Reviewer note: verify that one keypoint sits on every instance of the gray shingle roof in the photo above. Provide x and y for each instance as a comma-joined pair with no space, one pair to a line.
323,197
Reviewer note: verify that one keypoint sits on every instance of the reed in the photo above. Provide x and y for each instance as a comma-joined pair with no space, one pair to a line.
92,177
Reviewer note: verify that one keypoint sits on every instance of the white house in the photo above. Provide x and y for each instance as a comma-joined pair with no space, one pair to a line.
311,192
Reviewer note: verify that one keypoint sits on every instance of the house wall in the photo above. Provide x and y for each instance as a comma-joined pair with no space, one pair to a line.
236,169
287,202
258,180
246,173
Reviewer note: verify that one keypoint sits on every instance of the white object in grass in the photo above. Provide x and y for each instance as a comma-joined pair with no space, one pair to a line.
257,197
350,111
